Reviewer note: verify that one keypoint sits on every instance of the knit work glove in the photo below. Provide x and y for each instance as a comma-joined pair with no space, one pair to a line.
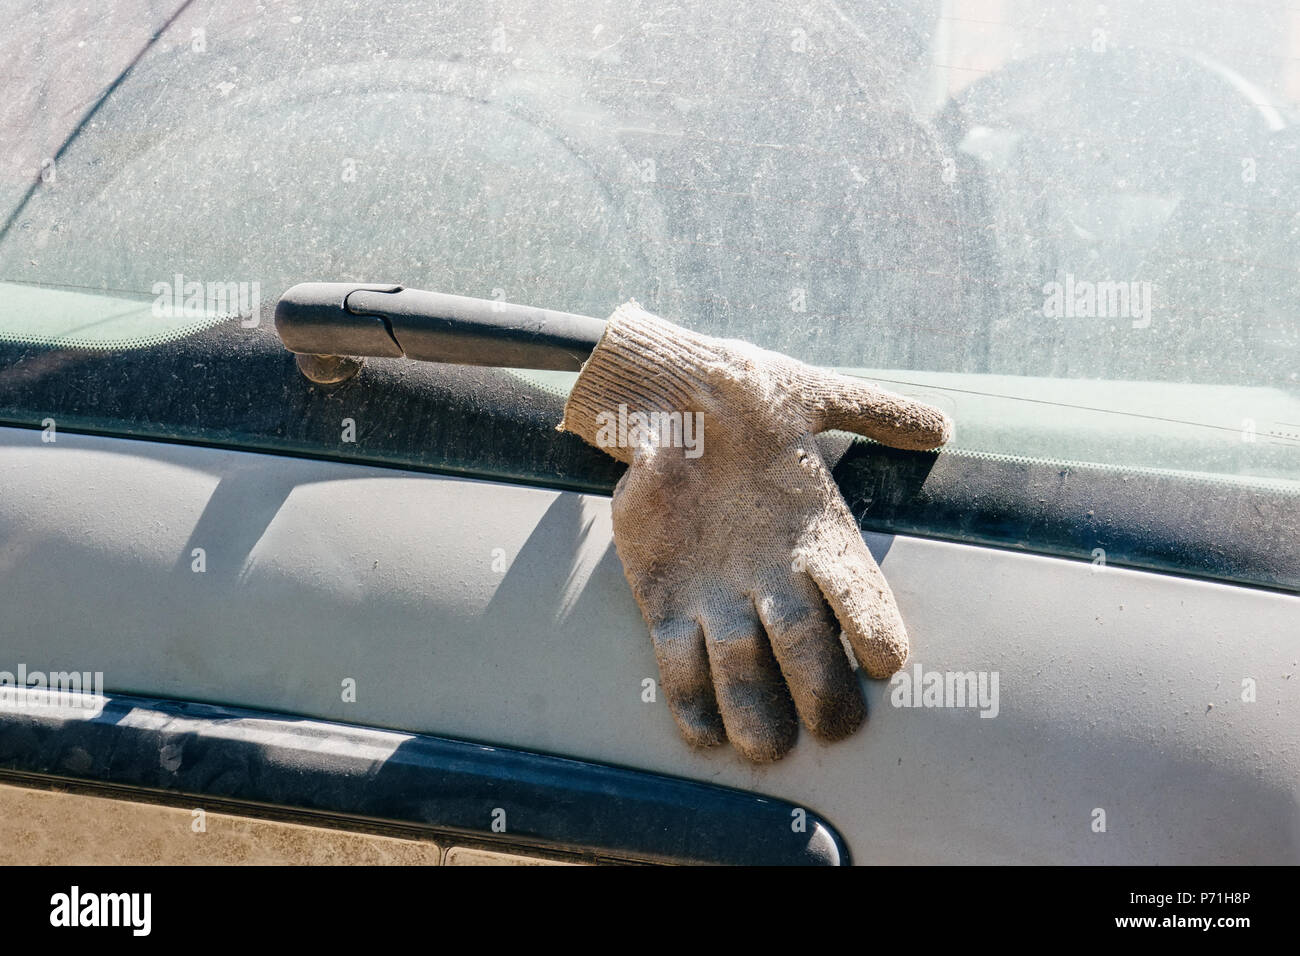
732,533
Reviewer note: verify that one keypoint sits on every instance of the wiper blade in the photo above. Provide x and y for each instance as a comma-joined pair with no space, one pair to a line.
339,321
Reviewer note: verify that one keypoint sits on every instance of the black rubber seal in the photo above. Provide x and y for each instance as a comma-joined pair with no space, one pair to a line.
239,388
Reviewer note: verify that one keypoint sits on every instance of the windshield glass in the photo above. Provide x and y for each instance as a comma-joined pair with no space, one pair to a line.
1074,226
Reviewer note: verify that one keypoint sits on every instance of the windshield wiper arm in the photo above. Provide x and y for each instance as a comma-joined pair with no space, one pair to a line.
330,323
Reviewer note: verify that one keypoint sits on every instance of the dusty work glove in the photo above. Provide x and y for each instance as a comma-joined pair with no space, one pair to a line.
732,533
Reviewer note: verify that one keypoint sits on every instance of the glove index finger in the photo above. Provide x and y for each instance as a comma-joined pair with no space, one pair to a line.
855,405
858,593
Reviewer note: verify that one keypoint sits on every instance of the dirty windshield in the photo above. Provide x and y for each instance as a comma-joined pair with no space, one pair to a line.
1075,226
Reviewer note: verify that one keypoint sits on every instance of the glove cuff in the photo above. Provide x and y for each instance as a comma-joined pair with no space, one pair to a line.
642,362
